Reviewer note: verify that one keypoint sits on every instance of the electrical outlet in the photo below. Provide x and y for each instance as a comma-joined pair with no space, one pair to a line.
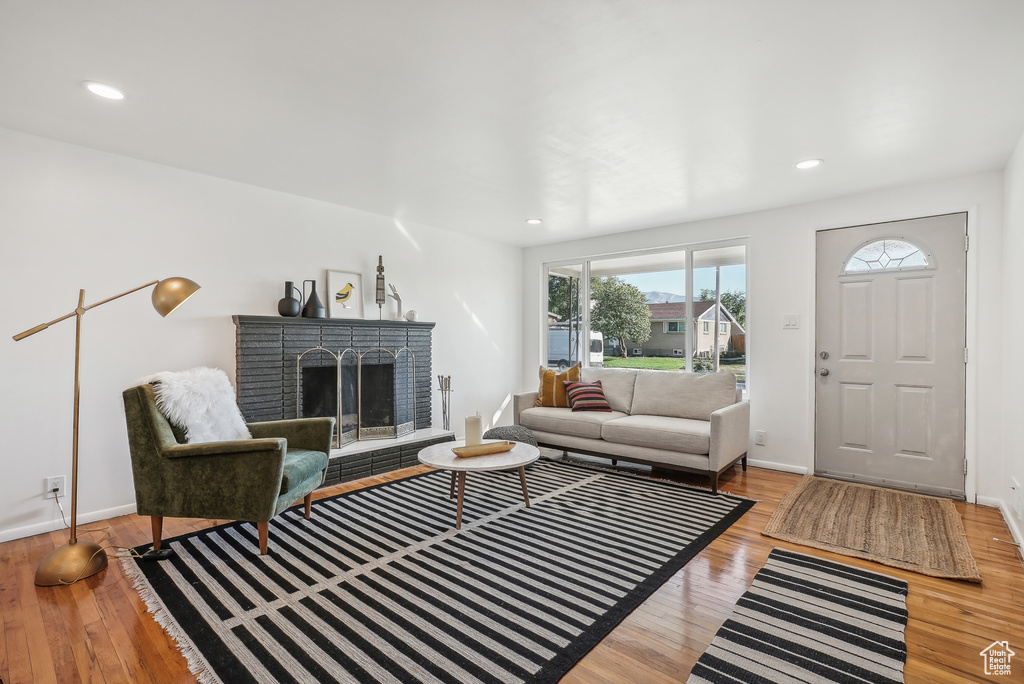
760,437
49,483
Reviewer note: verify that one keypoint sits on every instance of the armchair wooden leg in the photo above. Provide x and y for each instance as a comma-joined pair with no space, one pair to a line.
264,529
309,504
743,462
714,483
157,521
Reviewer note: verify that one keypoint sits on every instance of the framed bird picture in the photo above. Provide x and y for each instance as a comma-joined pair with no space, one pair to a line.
344,294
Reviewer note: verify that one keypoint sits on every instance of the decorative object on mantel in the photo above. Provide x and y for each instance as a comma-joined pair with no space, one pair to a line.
398,298
80,559
345,294
288,305
474,429
444,385
380,296
314,307
411,315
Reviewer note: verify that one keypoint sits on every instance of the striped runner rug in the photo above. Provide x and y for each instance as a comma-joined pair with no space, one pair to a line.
379,587
805,619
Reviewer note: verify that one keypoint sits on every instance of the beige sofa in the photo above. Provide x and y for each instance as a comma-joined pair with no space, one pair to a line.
692,422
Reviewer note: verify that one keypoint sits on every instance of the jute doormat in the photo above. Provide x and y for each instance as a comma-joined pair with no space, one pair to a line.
923,534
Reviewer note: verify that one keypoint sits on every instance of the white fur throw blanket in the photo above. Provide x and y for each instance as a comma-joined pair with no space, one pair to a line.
200,401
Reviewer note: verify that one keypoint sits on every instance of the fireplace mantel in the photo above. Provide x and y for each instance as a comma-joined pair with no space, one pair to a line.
329,322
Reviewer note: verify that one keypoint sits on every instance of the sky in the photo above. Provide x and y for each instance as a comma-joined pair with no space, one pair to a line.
733,280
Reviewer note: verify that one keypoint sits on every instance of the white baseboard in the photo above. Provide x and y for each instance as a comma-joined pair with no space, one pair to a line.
1008,518
58,524
771,465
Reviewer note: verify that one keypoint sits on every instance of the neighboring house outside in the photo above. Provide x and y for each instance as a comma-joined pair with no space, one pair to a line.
668,330
553,317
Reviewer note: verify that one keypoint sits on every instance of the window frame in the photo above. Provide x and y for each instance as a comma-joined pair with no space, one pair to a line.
584,261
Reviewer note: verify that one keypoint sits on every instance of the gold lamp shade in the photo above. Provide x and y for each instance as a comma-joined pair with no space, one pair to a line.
170,293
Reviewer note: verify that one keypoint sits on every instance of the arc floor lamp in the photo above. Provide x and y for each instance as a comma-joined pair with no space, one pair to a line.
80,559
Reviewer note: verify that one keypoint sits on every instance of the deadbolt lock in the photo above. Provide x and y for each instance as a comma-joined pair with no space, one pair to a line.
823,355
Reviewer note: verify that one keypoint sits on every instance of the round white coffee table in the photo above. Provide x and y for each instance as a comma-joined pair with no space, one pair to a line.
440,456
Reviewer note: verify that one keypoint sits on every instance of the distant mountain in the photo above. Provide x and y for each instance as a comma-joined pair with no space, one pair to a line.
655,297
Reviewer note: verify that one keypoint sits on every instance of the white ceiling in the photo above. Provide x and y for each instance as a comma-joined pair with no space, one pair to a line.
473,115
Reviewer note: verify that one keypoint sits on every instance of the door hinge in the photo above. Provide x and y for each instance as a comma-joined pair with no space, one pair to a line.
965,466
965,354
967,243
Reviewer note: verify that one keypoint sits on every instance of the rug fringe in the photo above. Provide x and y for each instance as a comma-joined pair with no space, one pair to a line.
197,665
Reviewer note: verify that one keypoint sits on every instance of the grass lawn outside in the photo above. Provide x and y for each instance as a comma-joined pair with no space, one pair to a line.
670,363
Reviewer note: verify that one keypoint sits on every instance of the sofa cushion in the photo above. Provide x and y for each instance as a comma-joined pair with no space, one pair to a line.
564,422
617,384
660,432
586,396
682,395
299,466
551,392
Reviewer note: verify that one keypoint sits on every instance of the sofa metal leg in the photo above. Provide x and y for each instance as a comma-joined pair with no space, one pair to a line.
157,521
309,504
743,462
264,529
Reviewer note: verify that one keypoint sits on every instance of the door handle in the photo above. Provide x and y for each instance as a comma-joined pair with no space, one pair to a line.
823,372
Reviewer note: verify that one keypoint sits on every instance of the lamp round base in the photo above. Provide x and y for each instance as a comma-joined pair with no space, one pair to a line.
71,562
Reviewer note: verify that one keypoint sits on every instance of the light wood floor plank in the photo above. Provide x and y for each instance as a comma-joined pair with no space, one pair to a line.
99,629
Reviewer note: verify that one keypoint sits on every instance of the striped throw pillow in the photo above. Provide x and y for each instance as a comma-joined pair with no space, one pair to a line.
586,396
552,386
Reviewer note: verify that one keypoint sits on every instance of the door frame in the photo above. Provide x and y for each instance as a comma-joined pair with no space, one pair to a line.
971,304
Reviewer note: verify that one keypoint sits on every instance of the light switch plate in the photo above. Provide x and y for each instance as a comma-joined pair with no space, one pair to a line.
790,321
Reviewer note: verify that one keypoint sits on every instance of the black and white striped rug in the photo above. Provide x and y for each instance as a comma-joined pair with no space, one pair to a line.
805,619
379,587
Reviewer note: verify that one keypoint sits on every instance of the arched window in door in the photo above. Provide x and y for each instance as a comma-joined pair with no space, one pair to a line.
887,255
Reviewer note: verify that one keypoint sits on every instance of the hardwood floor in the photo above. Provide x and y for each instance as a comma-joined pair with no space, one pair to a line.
99,630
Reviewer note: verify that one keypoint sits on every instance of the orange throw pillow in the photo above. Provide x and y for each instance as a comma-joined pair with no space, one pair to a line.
552,386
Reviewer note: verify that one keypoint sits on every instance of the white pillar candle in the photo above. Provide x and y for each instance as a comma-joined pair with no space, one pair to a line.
474,429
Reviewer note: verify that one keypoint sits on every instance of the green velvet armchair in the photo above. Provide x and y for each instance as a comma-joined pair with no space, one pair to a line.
252,480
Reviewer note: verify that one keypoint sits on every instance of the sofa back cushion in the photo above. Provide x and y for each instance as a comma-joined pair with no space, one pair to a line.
682,395
617,384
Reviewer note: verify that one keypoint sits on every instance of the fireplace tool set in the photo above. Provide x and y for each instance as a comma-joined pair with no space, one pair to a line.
444,385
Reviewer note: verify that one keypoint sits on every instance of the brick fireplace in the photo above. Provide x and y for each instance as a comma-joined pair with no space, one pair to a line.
266,350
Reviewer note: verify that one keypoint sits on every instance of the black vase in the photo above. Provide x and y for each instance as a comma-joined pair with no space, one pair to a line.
314,307
289,305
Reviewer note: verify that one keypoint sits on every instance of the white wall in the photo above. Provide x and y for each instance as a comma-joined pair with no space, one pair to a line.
1013,335
781,281
75,218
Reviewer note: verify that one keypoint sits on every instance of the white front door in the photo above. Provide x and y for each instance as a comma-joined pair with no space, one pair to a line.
890,398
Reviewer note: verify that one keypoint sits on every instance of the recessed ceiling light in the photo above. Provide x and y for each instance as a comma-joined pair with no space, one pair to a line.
808,163
103,90
534,222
